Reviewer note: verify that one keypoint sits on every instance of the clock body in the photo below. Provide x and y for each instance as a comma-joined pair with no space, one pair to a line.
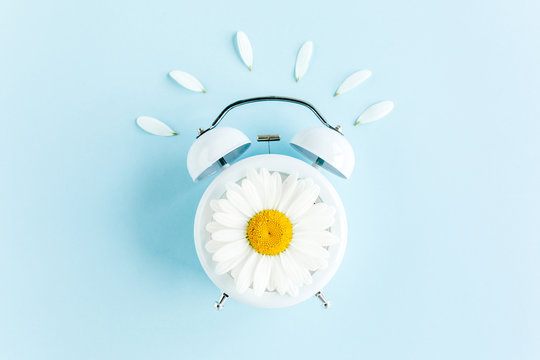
285,165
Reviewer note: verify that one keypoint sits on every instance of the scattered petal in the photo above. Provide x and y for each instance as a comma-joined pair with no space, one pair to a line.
303,59
353,81
188,81
375,112
244,49
154,126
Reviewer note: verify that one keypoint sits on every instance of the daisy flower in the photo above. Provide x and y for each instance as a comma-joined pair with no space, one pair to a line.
270,234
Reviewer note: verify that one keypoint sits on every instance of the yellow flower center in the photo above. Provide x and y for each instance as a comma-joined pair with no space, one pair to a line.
269,232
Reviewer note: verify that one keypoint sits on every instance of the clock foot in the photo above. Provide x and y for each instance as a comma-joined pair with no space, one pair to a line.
219,304
325,303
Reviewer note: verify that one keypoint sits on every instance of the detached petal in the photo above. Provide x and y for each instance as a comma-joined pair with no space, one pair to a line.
353,81
375,112
244,49
154,126
303,59
188,81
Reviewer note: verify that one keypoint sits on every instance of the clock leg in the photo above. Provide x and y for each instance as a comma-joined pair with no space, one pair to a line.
219,304
325,303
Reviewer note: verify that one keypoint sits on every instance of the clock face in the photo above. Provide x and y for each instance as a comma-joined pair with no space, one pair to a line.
284,165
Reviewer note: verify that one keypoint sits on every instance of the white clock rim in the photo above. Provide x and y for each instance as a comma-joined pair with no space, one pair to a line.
284,164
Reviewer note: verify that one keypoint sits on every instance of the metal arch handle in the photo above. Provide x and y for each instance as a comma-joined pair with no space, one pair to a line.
269,98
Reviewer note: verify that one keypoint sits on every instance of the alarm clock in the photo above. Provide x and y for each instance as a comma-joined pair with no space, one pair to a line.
270,230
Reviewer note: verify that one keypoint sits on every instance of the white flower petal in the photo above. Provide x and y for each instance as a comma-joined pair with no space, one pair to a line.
271,286
313,222
303,59
278,276
312,250
321,238
214,205
304,260
235,187
289,269
226,266
293,289
289,285
187,80
375,112
252,194
353,81
229,235
212,246
230,251
257,181
244,49
239,202
275,190
287,191
265,176
264,173
297,274
302,203
265,182
214,226
230,220
298,191
245,277
227,207
271,280
154,126
321,209
261,275
300,186
254,177
236,270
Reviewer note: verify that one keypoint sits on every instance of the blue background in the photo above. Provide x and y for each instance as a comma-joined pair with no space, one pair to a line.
96,255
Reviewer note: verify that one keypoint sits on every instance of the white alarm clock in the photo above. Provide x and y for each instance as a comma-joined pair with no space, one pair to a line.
270,230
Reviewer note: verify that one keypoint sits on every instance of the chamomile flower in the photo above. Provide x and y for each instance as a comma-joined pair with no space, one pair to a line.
270,234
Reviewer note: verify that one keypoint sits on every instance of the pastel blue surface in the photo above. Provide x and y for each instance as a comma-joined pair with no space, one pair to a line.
96,252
